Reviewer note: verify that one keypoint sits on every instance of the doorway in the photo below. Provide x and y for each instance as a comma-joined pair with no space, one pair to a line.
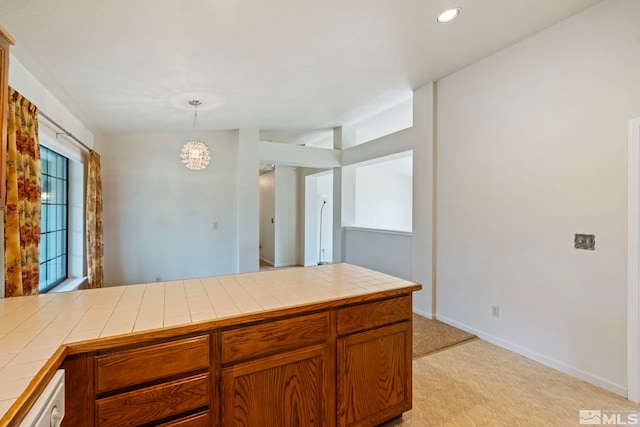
279,229
318,218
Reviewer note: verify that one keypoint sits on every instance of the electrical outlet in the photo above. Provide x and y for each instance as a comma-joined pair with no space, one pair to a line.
158,279
215,225
495,311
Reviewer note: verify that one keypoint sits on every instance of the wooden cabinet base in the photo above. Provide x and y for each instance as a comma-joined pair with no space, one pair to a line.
346,365
374,375
290,389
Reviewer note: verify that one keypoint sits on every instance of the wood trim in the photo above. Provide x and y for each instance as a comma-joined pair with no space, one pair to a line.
22,405
5,42
79,381
633,265
215,372
4,33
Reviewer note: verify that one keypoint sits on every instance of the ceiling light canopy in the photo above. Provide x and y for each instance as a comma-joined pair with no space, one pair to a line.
449,15
195,154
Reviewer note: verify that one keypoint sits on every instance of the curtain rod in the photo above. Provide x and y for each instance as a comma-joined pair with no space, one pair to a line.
64,131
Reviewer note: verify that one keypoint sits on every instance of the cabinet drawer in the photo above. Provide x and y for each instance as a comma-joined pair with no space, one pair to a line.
373,314
140,365
153,403
274,337
201,419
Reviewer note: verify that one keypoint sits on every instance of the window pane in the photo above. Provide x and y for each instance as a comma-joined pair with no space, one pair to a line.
51,218
51,271
44,161
44,213
60,185
53,248
43,273
46,191
63,268
61,217
63,194
61,239
43,248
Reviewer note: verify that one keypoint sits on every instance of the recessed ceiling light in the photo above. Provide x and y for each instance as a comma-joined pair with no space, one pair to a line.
449,15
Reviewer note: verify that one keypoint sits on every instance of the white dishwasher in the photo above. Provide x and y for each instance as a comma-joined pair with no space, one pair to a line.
48,410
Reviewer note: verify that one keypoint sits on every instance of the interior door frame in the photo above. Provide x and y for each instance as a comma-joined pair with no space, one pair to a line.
633,265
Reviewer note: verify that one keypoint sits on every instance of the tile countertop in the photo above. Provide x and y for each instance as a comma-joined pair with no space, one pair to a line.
33,328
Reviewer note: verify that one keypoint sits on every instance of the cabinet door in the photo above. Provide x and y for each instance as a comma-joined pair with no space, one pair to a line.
374,375
286,390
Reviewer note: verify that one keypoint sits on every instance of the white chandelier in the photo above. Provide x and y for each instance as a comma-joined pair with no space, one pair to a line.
195,153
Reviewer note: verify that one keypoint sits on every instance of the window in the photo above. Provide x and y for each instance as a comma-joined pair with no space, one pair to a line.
54,219
384,193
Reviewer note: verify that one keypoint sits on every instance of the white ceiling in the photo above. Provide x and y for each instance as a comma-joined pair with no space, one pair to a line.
131,66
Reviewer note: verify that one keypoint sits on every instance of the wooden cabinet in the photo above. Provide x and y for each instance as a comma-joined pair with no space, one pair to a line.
345,365
278,373
374,361
374,375
169,383
291,389
5,41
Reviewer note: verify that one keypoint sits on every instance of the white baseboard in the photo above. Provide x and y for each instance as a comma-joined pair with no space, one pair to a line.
545,360
267,261
423,313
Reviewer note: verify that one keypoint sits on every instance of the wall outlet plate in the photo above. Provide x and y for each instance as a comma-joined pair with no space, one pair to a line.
585,241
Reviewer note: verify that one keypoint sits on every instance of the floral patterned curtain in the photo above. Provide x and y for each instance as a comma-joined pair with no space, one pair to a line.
95,244
22,210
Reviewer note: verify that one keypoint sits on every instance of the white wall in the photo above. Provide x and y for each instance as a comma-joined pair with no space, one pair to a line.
383,199
532,148
248,200
394,119
287,251
385,251
159,215
418,139
267,217
24,82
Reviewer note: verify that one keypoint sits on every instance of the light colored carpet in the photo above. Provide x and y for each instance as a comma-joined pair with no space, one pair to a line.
433,335
481,385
